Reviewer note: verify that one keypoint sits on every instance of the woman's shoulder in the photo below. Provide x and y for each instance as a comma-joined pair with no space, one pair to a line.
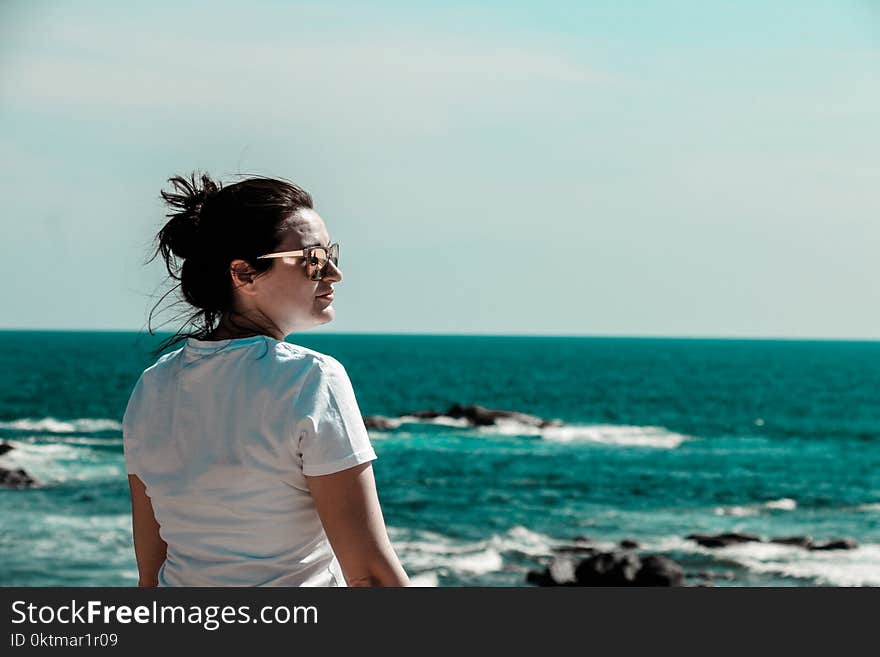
307,373
162,363
293,355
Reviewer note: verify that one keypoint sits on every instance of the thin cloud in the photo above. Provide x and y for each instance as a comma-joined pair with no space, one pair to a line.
162,74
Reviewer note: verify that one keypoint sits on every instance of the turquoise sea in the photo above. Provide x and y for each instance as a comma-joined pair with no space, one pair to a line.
661,438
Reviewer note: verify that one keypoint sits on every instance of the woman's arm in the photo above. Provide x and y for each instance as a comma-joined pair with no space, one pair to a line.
348,505
149,548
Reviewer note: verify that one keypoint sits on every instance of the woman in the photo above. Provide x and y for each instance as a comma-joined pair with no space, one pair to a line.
249,463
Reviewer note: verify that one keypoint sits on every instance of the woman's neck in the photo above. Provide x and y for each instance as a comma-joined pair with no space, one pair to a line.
223,335
227,330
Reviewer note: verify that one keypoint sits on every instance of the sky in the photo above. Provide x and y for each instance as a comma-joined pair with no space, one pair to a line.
677,168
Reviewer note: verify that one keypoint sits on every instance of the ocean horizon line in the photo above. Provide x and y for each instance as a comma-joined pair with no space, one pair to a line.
580,336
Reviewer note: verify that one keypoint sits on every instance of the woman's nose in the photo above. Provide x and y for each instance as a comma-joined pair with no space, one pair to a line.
333,272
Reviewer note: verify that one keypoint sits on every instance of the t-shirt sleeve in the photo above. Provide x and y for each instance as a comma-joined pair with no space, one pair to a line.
330,430
131,430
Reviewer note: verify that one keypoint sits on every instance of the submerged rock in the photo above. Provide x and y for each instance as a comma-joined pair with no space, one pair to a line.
614,568
15,478
541,578
609,569
380,422
482,416
5,447
799,541
658,570
426,415
806,542
836,544
722,540
576,549
475,415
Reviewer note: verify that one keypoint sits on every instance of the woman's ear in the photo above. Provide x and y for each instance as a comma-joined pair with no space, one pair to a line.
242,275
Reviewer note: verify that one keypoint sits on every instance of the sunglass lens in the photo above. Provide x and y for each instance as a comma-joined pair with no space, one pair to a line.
317,262
318,258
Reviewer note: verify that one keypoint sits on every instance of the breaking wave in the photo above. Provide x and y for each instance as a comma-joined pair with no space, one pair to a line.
605,434
856,567
428,555
782,504
51,425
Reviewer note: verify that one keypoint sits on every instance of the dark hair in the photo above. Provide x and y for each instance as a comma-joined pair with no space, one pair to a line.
209,226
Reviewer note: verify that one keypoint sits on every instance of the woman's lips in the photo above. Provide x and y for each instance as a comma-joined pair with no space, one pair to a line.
328,297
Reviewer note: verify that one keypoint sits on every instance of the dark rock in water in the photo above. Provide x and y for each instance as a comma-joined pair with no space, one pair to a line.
807,542
580,538
15,478
425,415
482,416
800,541
837,544
380,422
540,578
474,414
740,537
576,549
658,570
562,567
615,568
722,540
628,544
608,569
5,447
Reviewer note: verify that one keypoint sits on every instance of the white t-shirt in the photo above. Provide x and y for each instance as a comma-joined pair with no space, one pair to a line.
222,433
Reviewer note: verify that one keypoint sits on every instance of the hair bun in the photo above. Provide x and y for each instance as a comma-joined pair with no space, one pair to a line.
180,235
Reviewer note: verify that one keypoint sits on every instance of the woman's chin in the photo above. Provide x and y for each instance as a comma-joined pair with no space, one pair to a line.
317,318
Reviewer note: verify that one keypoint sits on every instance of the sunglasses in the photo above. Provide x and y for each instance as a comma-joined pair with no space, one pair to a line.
316,258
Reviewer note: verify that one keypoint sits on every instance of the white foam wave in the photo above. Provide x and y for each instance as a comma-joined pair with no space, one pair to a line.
607,434
58,461
51,425
476,563
68,439
427,579
429,552
82,537
523,540
28,453
782,504
89,440
857,567
443,420
432,552
868,507
467,561
738,511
